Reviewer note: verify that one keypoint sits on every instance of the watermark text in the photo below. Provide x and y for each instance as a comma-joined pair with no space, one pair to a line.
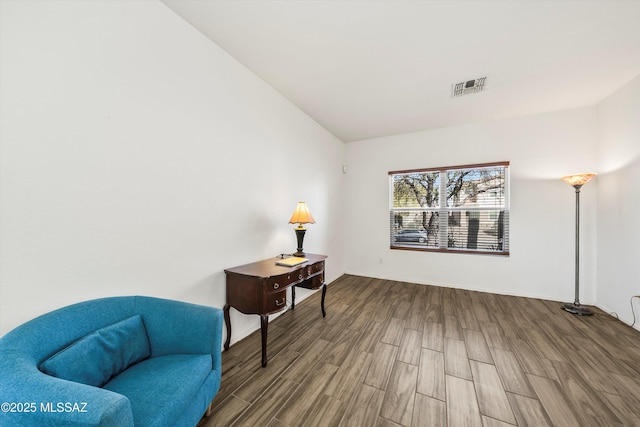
33,407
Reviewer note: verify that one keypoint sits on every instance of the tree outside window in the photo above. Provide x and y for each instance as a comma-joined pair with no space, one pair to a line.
452,209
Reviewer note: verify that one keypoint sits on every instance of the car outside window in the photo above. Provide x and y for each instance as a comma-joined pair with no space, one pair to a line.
451,209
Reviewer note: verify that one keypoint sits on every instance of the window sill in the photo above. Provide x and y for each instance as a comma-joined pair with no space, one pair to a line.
449,251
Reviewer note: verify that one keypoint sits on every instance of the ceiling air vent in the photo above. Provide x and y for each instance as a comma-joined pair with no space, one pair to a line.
467,87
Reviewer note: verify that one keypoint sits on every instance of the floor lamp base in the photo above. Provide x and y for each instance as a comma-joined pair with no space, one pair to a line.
577,309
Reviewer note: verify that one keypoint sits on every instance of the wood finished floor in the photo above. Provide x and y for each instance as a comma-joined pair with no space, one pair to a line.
399,354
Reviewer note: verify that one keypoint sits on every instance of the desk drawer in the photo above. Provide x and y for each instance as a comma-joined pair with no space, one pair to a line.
316,281
277,283
312,269
313,282
276,301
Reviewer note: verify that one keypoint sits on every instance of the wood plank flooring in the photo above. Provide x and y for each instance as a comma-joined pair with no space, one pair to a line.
399,354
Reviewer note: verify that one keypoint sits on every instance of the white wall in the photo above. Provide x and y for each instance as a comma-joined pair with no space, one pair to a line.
619,202
541,149
139,158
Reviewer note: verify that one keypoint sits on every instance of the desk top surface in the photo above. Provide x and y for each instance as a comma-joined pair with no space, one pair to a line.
268,267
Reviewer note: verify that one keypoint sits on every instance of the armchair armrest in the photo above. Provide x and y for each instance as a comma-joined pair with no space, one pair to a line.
30,397
175,327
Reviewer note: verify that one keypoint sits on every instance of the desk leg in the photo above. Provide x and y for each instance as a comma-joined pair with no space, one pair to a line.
227,322
264,324
293,297
324,292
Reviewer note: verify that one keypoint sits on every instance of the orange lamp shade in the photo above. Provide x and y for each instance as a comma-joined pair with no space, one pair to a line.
301,215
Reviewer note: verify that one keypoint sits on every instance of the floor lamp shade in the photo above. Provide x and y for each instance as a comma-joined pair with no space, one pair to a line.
301,215
577,181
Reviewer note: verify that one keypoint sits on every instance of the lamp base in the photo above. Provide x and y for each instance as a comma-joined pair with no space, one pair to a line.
300,237
577,309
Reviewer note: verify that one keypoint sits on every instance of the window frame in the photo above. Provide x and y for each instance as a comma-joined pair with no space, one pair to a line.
443,210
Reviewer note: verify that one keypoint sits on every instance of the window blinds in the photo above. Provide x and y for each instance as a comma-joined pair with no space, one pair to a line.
453,209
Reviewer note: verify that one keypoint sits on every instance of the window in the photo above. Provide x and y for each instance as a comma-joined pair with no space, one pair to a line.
452,209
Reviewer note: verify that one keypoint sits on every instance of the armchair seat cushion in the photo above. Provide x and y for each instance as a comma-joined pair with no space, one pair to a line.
161,386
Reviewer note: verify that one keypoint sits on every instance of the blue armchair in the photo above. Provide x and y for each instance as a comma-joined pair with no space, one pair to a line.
120,361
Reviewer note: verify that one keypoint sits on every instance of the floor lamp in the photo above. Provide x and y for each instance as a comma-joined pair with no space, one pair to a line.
577,181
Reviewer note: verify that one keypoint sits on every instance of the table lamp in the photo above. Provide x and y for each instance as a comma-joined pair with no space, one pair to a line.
301,215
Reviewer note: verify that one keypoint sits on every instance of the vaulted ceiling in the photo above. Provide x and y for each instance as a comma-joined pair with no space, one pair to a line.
371,68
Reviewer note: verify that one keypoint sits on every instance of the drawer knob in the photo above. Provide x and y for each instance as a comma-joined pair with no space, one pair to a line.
280,303
276,285
300,276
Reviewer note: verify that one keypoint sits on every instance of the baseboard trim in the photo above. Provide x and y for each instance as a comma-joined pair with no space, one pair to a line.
624,320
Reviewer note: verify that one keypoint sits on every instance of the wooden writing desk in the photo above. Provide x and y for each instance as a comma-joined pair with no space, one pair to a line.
261,288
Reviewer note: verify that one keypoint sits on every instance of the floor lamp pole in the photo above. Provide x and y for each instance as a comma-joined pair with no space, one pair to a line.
576,308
